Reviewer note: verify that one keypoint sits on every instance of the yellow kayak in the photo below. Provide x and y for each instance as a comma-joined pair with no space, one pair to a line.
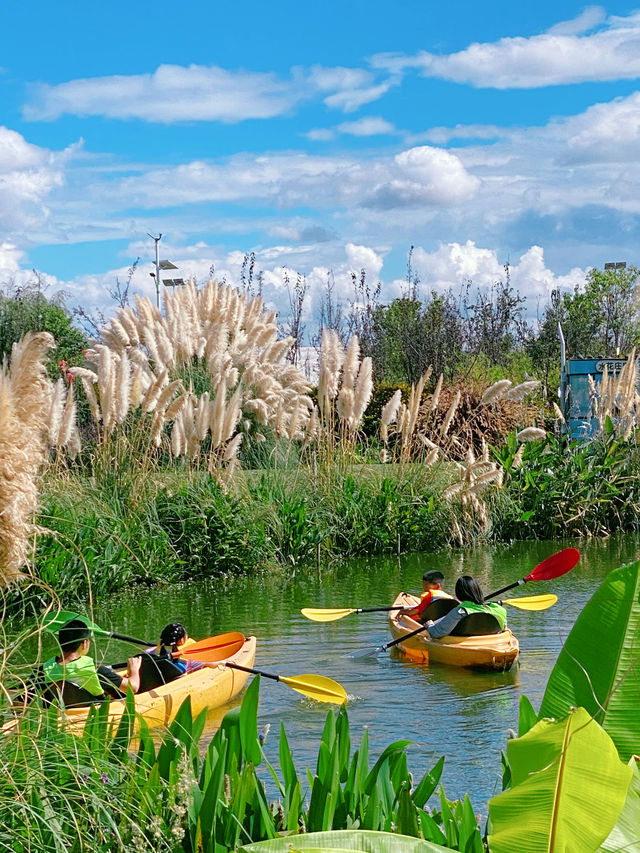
486,651
208,688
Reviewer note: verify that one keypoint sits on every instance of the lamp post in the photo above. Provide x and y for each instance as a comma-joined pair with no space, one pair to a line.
162,265
156,240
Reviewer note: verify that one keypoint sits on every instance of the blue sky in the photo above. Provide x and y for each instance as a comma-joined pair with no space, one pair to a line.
323,137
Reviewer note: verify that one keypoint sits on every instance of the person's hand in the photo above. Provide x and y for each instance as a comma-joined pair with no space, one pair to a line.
429,623
134,664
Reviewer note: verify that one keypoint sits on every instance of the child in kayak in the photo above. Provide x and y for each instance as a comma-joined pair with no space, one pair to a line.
173,637
75,666
431,588
471,598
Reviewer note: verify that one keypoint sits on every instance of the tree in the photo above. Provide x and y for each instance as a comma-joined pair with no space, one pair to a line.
25,308
598,319
495,323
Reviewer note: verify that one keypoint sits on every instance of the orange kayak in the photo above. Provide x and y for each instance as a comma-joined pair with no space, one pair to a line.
486,651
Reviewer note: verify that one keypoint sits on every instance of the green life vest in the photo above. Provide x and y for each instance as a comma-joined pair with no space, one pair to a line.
491,607
82,671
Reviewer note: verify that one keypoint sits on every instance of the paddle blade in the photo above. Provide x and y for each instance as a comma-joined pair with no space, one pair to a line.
361,654
532,602
555,565
213,649
317,687
54,621
326,614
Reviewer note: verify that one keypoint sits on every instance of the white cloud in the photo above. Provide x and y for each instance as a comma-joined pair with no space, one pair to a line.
367,126
352,99
320,134
172,93
28,175
351,87
419,176
607,131
425,176
453,263
443,135
582,23
363,257
10,259
560,56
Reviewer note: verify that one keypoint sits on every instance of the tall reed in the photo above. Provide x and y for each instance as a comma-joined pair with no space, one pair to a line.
24,403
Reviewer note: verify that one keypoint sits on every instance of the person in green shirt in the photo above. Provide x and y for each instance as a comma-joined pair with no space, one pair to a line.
469,594
75,665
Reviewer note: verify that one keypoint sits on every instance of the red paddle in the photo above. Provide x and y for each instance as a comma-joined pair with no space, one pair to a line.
553,567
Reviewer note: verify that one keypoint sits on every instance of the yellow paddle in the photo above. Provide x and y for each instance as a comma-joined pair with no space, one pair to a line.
332,614
317,687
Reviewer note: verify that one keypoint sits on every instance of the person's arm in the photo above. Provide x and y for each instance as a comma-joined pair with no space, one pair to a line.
110,679
417,610
132,678
444,626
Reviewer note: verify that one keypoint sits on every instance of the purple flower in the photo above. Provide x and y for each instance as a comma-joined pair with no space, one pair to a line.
103,777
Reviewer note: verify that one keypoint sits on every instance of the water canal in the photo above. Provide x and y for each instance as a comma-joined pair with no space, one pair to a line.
445,711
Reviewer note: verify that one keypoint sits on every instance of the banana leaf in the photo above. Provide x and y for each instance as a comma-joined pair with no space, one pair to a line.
568,788
340,841
625,835
599,665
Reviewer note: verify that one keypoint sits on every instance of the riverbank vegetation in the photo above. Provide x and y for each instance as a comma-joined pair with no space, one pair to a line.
187,444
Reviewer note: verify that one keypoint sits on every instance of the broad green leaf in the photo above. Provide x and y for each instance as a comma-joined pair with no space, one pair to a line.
428,784
527,718
625,835
249,723
568,788
345,840
286,763
395,747
407,817
599,665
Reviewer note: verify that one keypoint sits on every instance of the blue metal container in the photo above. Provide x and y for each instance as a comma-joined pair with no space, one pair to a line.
575,394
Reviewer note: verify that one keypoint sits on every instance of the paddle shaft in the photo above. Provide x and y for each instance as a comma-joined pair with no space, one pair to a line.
378,609
506,588
254,671
126,639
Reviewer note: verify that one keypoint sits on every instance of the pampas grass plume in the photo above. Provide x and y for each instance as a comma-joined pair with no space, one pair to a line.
495,391
531,434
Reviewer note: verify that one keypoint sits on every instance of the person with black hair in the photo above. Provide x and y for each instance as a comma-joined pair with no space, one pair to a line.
469,594
432,581
174,637
75,665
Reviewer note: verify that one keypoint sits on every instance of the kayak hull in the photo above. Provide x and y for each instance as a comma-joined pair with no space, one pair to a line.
494,652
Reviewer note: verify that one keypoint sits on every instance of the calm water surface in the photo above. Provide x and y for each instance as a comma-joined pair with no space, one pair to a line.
445,711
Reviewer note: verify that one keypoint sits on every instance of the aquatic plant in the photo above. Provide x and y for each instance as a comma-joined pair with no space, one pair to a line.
599,665
551,801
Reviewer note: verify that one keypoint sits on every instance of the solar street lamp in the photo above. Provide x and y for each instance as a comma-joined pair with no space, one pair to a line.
163,265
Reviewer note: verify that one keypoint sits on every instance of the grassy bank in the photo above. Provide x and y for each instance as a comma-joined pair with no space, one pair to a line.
179,524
